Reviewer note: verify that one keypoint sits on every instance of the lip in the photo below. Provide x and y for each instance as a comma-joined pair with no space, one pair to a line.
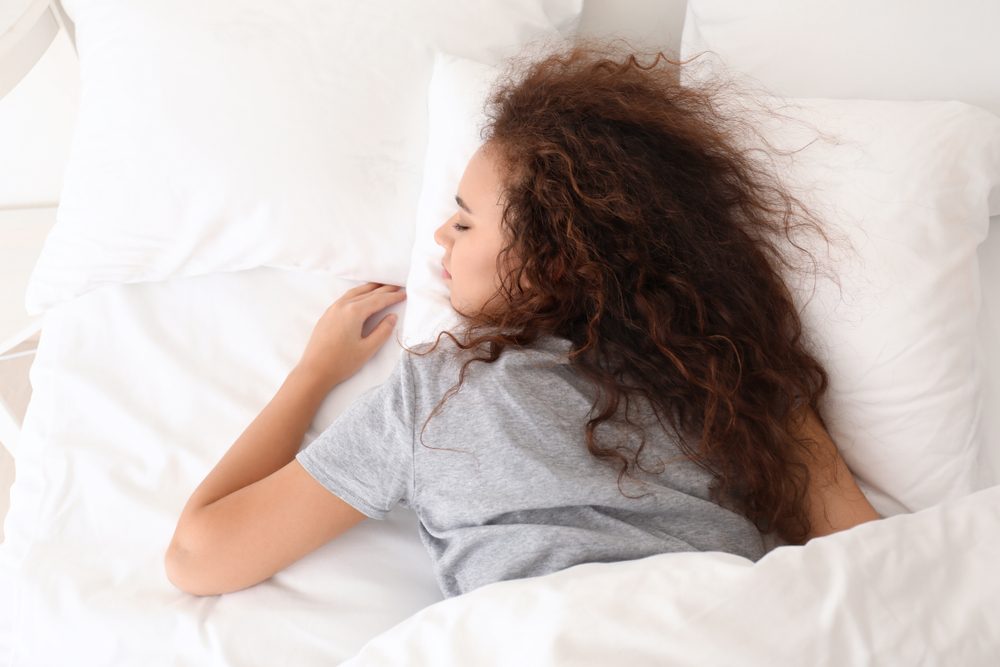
444,272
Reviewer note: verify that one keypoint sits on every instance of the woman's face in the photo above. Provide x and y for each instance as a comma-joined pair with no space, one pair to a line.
472,237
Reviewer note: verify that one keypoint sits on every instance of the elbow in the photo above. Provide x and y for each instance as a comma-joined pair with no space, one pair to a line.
185,558
178,564
196,572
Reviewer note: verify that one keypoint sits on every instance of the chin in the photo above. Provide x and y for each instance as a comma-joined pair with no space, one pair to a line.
458,307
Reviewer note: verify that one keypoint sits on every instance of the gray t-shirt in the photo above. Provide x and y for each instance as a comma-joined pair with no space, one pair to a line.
522,497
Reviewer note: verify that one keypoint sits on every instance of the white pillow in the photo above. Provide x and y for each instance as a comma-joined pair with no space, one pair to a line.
219,136
889,50
908,186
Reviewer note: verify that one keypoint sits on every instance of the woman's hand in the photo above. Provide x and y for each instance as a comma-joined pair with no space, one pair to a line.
336,349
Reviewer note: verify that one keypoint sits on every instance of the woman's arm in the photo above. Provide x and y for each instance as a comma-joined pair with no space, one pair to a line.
258,509
835,502
269,442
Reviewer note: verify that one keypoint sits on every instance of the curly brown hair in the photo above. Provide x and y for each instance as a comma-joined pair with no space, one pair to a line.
644,229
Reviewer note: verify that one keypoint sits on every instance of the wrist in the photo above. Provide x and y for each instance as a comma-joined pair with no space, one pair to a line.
313,378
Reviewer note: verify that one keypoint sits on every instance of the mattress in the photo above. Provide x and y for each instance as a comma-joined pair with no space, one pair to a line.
139,390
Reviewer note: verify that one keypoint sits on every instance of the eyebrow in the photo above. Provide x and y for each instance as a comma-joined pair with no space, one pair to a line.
458,200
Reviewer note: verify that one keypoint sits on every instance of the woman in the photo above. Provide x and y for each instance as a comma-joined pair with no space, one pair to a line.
611,261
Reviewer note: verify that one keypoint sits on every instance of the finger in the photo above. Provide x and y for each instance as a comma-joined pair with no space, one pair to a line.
382,288
380,334
359,290
372,303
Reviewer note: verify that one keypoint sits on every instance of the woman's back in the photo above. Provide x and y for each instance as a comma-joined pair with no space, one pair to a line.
502,481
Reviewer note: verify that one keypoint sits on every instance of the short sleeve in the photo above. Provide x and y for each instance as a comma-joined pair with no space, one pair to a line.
365,456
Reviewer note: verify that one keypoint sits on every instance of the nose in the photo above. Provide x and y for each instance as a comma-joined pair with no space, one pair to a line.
440,234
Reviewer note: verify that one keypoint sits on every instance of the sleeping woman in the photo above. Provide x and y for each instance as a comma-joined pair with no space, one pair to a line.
629,379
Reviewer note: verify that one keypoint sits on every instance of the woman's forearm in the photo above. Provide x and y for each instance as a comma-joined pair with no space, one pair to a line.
270,442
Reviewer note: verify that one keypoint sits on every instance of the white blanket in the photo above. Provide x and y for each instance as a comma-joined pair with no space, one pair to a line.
912,589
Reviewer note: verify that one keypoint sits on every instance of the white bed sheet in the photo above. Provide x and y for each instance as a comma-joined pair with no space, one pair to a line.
138,391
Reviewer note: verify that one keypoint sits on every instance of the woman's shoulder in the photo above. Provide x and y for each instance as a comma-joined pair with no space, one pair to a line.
535,374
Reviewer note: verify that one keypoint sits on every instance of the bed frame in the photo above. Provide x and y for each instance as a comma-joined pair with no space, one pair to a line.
26,31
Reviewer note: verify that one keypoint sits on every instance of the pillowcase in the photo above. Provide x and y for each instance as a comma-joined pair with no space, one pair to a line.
221,136
892,50
908,187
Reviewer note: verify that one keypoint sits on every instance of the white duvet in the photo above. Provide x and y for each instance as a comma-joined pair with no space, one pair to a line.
912,589
139,389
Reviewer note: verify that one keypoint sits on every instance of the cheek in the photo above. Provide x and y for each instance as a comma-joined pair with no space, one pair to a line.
473,266
480,268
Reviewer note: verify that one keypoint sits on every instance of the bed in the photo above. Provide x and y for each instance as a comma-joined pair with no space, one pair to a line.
152,361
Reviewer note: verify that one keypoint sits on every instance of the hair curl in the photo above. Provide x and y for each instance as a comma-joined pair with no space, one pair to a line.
644,226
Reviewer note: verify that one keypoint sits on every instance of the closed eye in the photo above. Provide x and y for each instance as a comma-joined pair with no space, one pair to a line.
459,228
